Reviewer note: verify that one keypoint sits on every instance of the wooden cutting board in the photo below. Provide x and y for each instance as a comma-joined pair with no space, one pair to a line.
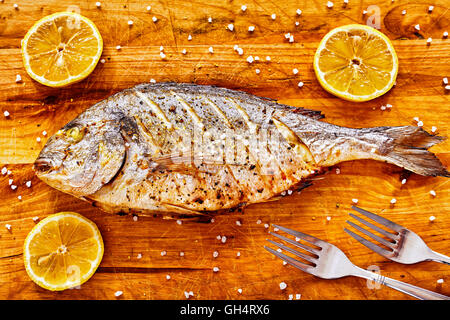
419,93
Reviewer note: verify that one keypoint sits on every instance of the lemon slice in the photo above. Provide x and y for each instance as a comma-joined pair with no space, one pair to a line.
61,49
63,251
356,62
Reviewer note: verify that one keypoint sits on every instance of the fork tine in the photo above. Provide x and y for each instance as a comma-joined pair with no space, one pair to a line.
385,222
368,244
370,225
295,243
291,261
370,234
313,240
298,254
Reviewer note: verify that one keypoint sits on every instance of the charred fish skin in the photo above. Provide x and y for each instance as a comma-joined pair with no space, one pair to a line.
191,149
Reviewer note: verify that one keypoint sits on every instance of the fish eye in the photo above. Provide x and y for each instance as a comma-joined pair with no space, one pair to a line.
74,134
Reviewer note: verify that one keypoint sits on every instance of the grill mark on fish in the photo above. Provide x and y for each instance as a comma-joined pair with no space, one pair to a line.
147,136
252,126
156,109
219,111
189,110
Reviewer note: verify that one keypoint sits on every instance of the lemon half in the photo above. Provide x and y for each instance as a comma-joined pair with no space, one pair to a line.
63,251
61,49
356,62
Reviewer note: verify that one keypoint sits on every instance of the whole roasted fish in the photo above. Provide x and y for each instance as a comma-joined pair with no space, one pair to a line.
190,149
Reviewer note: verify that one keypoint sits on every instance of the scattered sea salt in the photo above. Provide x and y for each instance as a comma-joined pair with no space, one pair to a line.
98,4
216,269
18,78
35,219
393,201
433,193
295,71
186,294
338,171
273,16
181,254
250,59
257,71
118,293
211,50
28,184
300,84
433,129
251,28
210,20
403,181
430,8
6,113
364,12
239,290
240,51
230,27
417,27
184,51
445,34
179,222
243,8
268,58
38,139
168,277
215,254
149,8
219,237
118,47
135,218
163,253
163,55
189,37
403,12
429,40
10,181
4,170
266,226
291,296
130,22
258,221
440,281
299,12
297,23
328,218
283,285
297,296
224,239
330,4
13,187
420,124
256,58
432,218
447,87
238,223
139,256
355,201
8,226
238,254
291,39
16,6
154,19
445,80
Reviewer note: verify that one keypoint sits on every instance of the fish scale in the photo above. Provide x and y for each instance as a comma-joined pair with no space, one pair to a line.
188,149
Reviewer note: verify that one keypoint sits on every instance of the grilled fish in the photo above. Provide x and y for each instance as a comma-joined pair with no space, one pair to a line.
189,149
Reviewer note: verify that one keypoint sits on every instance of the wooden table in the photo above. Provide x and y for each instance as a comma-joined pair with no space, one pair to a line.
419,93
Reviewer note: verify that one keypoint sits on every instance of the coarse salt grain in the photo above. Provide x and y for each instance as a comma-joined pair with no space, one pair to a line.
433,129
216,269
28,184
149,8
130,22
297,23
283,285
211,50
338,171
430,8
330,4
16,6
224,239
251,28
240,51
432,218
183,51
447,87
102,60
154,19
295,71
297,296
238,254
445,80
403,12
256,58
355,201
230,27
118,47
189,37
35,219
291,296
8,226
273,16
364,12
139,256
135,218
445,34
257,71
6,113
250,59
300,84
152,81
440,281
186,294
433,193
98,4
268,58
215,254
403,181
266,226
328,218
420,124
417,27
168,277
118,293
181,254
239,290
243,8
210,20
299,12
291,39
179,222
429,40
163,55
13,187
4,170
18,78
163,253
393,201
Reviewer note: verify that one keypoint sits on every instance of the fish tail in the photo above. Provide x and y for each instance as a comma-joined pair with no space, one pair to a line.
406,147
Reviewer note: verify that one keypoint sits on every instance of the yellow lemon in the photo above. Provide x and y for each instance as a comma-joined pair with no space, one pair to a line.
63,251
356,62
61,49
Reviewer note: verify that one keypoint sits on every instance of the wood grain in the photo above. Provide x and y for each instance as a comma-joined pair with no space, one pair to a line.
419,92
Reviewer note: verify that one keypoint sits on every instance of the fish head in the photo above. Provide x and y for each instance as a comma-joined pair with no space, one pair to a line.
82,156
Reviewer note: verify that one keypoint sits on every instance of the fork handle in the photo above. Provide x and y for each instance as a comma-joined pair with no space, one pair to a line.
404,287
438,257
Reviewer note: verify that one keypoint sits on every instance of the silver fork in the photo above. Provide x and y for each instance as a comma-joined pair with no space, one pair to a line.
405,246
329,262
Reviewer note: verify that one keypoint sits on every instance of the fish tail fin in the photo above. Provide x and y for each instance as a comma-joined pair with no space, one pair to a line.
407,146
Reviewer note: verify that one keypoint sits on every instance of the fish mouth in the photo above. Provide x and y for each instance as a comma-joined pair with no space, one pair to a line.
43,165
